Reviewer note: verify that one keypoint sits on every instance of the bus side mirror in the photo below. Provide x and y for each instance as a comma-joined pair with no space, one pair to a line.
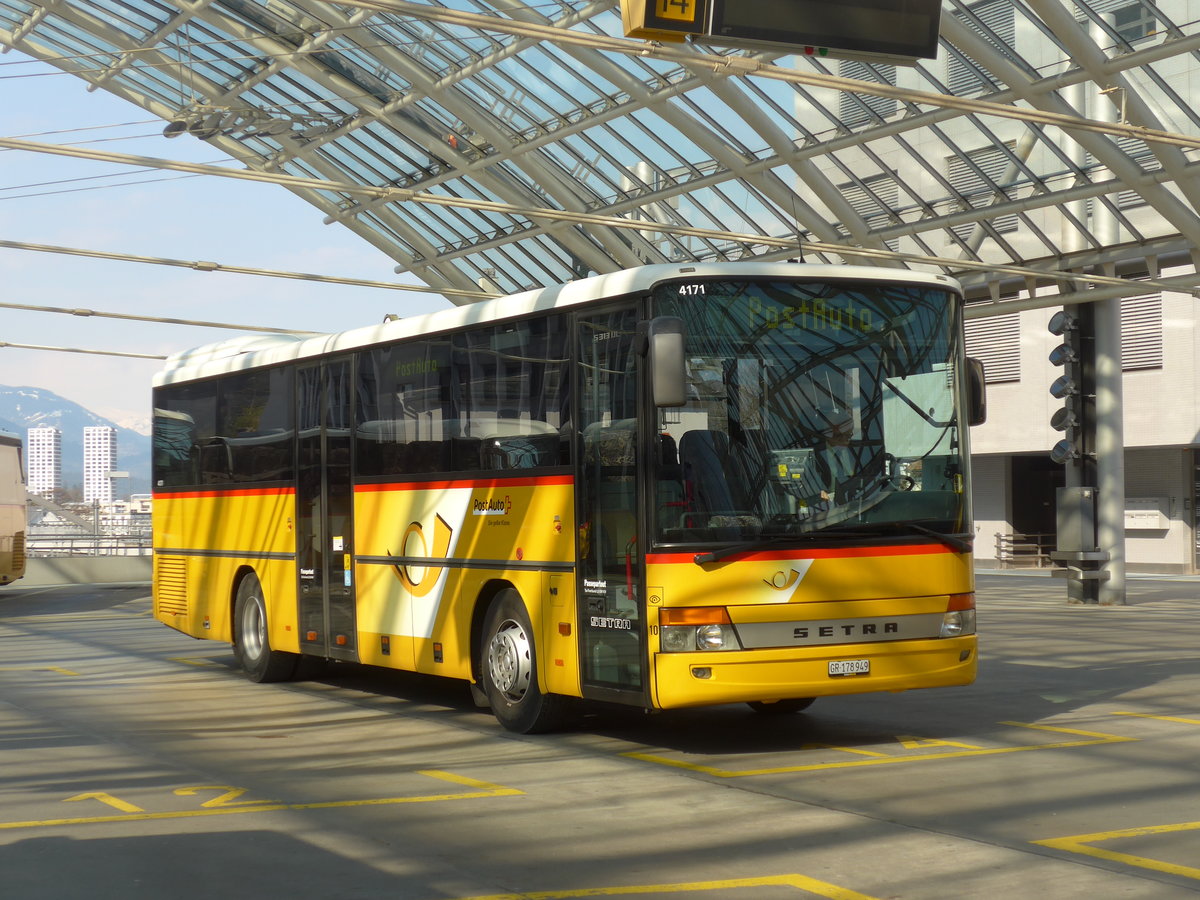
668,369
976,393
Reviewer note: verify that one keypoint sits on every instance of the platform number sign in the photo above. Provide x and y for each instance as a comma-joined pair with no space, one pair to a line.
678,10
664,20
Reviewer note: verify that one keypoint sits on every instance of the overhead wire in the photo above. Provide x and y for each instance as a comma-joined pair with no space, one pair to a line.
107,175
394,194
161,320
16,346
96,187
195,265
209,266
104,55
730,65
722,64
61,181
34,134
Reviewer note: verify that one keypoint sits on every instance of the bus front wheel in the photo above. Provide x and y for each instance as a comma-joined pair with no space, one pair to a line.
251,645
509,669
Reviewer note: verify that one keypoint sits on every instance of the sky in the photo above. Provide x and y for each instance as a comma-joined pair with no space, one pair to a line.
90,205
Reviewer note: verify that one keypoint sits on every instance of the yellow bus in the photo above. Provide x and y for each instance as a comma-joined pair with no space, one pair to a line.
670,486
12,509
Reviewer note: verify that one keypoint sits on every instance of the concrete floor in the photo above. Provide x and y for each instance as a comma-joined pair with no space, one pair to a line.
134,762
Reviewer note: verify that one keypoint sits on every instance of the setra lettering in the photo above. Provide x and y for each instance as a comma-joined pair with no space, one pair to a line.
845,629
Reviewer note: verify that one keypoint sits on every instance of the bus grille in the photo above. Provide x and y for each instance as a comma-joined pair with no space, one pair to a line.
18,557
170,586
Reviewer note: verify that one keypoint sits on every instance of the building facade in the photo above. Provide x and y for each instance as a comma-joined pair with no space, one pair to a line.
1015,480
99,461
989,184
43,455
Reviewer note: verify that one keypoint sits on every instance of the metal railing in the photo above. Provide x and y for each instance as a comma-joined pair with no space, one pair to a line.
41,543
1025,551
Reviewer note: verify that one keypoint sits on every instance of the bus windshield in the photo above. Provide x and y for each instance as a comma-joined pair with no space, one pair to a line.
814,409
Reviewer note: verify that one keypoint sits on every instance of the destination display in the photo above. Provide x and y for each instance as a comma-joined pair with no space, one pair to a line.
901,31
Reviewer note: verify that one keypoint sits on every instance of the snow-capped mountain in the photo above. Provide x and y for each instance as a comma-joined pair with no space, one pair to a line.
140,424
22,408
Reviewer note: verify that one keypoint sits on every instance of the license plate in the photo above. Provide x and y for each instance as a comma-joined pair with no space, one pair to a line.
849,667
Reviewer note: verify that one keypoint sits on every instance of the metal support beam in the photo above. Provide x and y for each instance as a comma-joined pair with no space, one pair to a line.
1110,408
1110,452
37,500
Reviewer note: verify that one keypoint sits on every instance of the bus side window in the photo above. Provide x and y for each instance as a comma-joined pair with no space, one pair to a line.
185,420
403,409
176,456
216,463
465,454
510,394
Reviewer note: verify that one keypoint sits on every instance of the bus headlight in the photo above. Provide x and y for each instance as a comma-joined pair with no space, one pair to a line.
959,618
699,628
677,638
711,637
690,638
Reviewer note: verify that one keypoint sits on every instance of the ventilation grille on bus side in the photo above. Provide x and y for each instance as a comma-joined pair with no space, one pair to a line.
170,586
18,559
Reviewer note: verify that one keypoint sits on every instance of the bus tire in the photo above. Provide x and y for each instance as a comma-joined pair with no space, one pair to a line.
781,707
251,645
509,669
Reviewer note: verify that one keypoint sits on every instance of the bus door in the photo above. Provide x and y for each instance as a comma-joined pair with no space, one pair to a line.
324,499
610,590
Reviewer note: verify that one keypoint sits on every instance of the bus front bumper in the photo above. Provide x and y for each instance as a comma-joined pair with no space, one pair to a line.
705,679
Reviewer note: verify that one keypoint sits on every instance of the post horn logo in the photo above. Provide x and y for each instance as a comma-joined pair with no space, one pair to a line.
419,578
783,581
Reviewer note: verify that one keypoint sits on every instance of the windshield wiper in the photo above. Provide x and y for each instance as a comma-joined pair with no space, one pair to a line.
761,543
953,541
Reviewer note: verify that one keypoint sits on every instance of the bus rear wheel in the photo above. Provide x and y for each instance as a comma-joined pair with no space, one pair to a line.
781,707
509,669
251,645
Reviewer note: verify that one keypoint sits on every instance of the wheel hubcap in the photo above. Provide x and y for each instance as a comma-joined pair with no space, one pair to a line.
509,660
253,629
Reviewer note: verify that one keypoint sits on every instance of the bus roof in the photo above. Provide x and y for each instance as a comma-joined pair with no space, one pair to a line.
250,351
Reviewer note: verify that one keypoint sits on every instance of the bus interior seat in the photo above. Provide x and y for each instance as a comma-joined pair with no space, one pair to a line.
702,457
610,445
721,477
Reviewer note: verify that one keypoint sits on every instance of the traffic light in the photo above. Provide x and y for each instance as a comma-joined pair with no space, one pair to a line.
1076,386
1077,550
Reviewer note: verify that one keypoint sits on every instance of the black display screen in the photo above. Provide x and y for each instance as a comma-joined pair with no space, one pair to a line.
907,28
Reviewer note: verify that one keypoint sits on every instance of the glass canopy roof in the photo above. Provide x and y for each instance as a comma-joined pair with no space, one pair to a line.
505,145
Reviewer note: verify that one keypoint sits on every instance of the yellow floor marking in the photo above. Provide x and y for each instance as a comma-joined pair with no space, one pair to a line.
481,789
909,742
228,796
57,669
802,882
1091,738
108,800
193,660
1079,844
856,750
1179,719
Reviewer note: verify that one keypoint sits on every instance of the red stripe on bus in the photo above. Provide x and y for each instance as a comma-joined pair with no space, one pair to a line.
820,553
227,492
530,481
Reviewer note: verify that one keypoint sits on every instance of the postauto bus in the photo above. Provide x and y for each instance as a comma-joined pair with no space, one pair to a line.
670,486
